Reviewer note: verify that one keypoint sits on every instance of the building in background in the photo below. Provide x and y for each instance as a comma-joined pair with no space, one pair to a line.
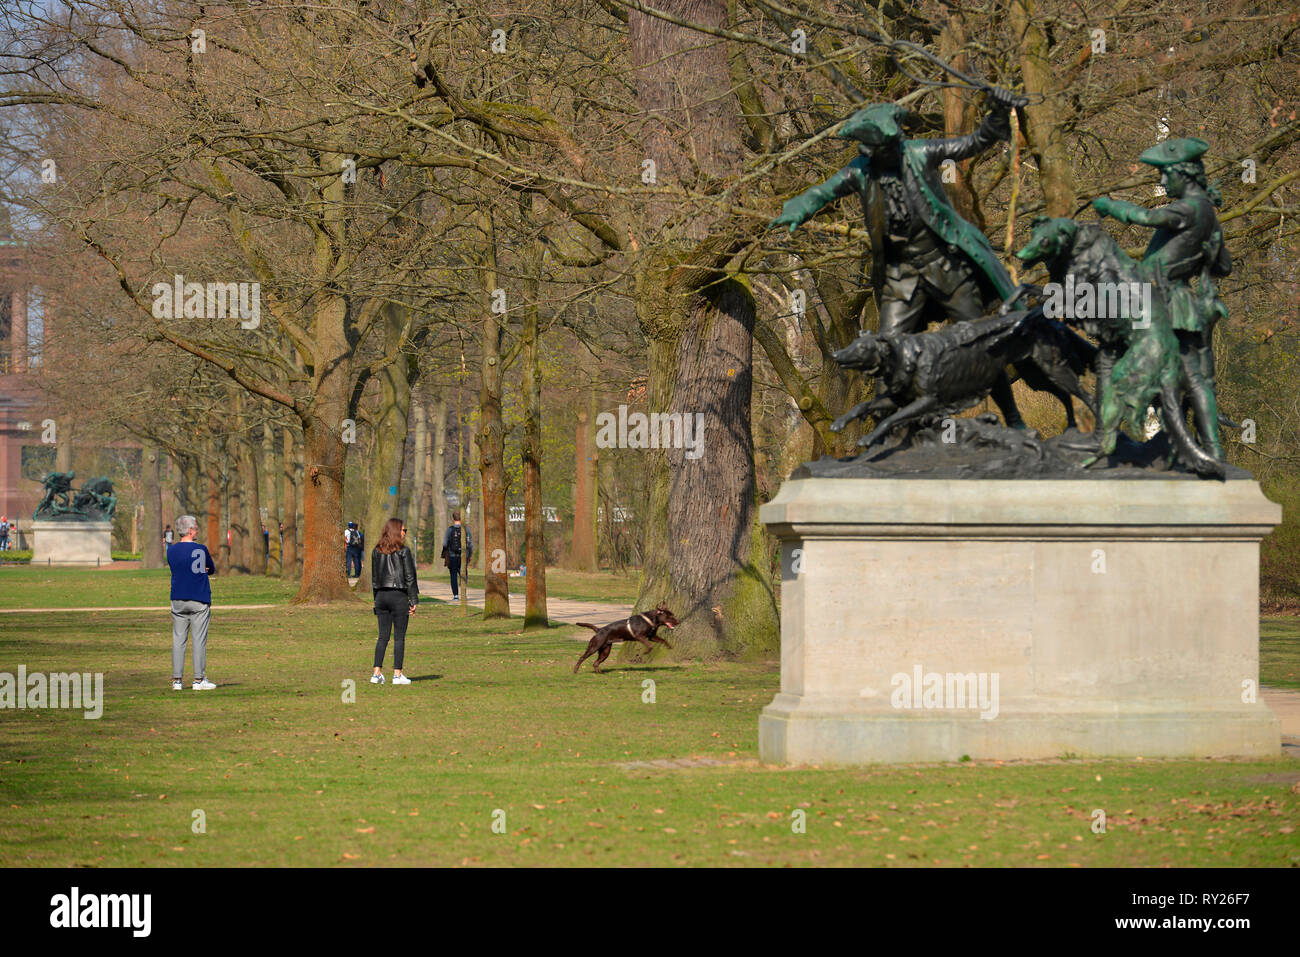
21,336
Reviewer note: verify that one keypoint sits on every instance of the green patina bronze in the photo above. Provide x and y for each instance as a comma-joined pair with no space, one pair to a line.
94,501
1187,245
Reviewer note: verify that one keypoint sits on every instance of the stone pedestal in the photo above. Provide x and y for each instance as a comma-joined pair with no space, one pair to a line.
72,543
1083,617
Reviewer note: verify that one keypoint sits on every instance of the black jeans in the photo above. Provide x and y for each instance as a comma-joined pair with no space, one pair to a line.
394,611
453,566
353,555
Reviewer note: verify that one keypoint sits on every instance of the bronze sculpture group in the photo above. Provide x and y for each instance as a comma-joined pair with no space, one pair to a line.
95,500
930,264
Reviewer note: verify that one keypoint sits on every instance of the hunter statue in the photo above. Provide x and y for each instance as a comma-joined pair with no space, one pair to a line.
927,262
1188,243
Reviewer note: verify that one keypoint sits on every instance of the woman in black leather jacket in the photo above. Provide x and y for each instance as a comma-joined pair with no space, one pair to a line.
392,578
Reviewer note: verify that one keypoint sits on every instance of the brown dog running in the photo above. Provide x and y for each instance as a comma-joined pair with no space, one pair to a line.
640,627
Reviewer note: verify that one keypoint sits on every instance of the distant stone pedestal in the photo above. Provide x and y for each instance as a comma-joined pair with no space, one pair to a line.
1083,617
72,542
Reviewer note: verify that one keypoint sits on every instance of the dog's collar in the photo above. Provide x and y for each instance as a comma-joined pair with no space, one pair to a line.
642,616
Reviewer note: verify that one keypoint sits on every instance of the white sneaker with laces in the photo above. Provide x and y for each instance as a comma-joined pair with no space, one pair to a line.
401,680
203,684
376,679
178,685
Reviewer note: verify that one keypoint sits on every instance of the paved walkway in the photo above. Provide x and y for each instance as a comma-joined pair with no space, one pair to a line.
557,609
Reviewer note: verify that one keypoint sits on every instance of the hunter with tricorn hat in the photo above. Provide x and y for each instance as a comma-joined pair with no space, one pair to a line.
1188,242
928,263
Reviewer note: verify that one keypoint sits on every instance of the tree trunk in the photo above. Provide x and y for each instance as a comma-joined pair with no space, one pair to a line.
215,542
491,446
438,475
289,479
535,614
708,559
585,505
250,478
235,498
152,553
323,568
383,467
959,117
1042,123
271,497
705,551
415,498
190,496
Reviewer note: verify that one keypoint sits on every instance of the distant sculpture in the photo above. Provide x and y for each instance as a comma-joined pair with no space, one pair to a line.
96,496
95,500
55,501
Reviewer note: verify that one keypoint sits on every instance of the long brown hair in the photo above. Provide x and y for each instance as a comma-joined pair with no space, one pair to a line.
391,540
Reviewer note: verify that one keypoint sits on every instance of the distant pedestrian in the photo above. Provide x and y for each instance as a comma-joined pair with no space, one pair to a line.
168,536
355,545
266,543
396,591
191,597
452,548
4,534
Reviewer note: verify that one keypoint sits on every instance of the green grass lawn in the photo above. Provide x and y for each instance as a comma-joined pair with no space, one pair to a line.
583,771
1279,652
36,586
29,586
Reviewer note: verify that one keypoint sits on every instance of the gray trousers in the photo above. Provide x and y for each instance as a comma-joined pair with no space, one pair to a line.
190,618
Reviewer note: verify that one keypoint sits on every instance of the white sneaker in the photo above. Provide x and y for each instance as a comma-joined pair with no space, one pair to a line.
401,680
376,679
203,684
178,685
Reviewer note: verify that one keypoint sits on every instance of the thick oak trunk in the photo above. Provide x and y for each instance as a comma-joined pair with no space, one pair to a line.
709,562
323,568
706,555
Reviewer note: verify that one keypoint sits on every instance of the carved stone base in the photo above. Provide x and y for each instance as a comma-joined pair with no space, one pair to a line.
72,542
1083,617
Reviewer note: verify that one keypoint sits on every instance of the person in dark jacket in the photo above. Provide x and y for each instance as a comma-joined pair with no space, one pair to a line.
392,579
452,546
354,547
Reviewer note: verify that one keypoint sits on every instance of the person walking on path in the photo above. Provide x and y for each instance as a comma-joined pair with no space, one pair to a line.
191,596
451,552
392,579
168,537
4,533
355,545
